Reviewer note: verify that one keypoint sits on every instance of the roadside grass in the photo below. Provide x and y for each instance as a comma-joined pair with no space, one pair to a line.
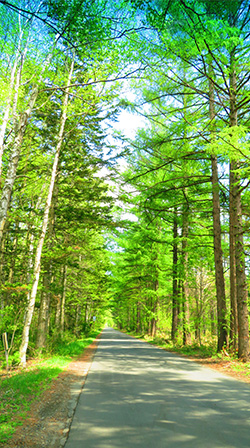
206,351
22,387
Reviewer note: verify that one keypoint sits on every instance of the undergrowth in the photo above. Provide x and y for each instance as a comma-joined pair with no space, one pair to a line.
21,388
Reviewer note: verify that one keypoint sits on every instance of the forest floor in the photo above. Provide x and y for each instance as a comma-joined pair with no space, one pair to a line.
48,422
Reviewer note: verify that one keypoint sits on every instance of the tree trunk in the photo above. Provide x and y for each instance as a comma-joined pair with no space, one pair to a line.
197,317
175,296
218,261
37,264
218,254
13,89
12,263
86,315
138,319
233,290
184,286
42,328
236,222
201,299
241,285
19,131
155,303
2,266
20,128
78,320
13,254
62,313
58,312
43,318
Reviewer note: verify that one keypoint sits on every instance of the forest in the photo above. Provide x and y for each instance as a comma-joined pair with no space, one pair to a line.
146,231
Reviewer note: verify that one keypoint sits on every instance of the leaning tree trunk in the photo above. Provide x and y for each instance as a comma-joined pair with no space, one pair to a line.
13,91
37,263
19,131
20,128
13,86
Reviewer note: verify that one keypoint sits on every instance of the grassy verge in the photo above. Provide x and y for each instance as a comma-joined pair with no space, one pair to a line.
194,350
203,352
23,387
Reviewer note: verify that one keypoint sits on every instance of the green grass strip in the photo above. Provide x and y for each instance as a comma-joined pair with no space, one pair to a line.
21,389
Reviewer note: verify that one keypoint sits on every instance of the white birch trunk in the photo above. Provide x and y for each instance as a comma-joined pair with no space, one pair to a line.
7,111
10,93
14,159
37,263
14,87
20,127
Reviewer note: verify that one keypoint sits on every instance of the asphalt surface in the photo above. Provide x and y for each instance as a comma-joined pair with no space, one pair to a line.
137,395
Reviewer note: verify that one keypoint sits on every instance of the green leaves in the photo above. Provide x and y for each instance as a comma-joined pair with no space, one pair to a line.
232,142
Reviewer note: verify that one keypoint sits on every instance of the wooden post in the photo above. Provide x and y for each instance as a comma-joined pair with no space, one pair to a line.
6,349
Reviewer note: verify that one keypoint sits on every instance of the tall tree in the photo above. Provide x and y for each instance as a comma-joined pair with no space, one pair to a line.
214,31
37,263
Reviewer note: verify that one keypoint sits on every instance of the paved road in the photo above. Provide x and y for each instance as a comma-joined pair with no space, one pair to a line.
139,396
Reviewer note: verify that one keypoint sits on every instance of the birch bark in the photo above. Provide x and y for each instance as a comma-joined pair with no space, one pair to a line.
20,128
12,96
19,131
37,263
8,106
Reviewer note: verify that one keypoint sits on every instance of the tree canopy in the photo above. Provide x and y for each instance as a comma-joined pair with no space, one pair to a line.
153,230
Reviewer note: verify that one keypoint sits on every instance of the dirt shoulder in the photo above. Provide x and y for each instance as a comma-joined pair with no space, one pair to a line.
48,422
228,367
